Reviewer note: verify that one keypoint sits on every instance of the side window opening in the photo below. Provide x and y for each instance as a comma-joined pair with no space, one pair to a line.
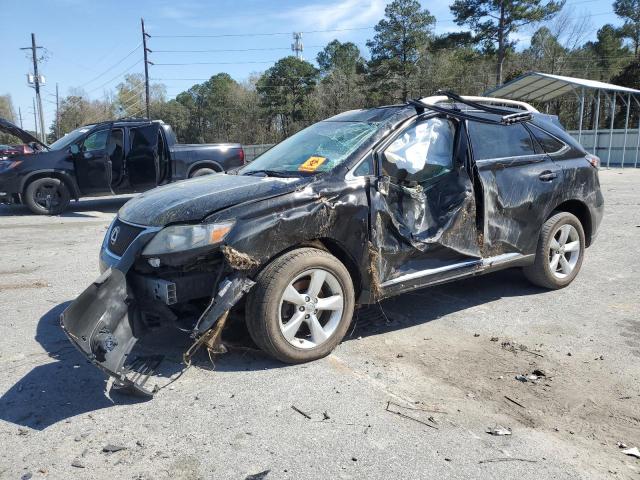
549,143
421,153
365,168
500,141
96,141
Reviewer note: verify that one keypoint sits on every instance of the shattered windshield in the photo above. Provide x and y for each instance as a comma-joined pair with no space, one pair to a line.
318,148
69,138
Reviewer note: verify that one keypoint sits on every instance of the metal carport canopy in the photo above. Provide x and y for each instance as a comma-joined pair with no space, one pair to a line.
545,86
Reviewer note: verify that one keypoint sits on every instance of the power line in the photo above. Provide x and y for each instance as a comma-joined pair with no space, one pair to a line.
215,63
112,66
265,34
116,77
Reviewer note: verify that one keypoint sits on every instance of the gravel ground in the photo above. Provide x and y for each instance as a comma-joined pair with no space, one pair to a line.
446,358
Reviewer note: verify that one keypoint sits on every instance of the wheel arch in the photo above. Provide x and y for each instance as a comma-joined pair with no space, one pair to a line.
334,248
69,181
204,164
581,211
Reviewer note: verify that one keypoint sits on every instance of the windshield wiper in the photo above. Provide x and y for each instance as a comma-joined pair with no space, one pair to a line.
272,173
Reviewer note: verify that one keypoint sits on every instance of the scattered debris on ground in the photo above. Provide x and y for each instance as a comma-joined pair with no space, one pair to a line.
518,347
633,452
513,401
430,421
507,459
258,476
304,414
113,448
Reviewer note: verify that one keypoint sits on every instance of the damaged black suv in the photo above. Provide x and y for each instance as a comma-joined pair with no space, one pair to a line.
359,207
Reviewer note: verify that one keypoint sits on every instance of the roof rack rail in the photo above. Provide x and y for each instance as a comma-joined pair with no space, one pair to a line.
507,116
132,119
478,101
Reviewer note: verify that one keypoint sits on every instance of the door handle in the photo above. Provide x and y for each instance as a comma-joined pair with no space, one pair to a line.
547,176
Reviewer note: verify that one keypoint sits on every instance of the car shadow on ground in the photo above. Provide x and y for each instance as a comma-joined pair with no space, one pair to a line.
65,387
82,208
70,385
429,304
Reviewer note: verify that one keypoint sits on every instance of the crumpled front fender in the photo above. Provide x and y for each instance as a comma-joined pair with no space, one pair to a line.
98,323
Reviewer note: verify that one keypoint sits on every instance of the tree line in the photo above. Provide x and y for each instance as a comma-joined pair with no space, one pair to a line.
406,59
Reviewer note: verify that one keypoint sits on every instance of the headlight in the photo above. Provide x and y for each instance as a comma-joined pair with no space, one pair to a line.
179,238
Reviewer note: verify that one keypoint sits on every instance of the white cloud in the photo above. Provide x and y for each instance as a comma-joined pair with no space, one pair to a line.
337,15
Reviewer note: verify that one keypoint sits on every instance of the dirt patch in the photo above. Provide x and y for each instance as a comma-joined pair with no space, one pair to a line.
19,270
522,386
22,286
238,260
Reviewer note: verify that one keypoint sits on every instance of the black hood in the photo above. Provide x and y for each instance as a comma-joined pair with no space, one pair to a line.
25,137
193,200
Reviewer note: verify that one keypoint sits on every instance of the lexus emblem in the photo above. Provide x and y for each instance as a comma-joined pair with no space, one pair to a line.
114,235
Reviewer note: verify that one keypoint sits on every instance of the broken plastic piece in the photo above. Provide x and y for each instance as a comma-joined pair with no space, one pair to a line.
231,290
634,452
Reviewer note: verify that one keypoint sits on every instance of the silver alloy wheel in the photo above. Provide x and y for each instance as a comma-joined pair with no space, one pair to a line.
564,251
311,308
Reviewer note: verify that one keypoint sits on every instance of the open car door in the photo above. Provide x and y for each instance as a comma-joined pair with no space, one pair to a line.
143,162
424,225
91,160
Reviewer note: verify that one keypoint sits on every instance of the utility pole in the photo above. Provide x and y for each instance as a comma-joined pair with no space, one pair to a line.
36,81
297,46
57,113
35,117
145,35
20,116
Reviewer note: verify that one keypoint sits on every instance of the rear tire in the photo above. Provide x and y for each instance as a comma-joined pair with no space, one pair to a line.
301,306
203,171
47,196
559,253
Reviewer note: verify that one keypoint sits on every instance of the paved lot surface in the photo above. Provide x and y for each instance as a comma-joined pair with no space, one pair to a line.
433,357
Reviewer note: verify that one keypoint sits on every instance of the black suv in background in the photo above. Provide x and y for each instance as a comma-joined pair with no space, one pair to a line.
124,156
359,207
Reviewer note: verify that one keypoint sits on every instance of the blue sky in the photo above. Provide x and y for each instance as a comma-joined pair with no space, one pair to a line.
87,41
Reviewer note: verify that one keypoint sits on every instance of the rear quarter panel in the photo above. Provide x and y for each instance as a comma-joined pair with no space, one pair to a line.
581,182
186,157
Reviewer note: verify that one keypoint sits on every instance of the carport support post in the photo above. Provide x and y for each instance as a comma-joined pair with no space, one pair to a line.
581,115
595,126
626,129
613,115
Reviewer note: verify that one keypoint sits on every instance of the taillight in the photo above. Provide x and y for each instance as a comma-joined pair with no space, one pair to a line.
593,160
241,155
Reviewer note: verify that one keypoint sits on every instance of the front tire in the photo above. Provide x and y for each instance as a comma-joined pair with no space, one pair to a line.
559,253
47,196
301,306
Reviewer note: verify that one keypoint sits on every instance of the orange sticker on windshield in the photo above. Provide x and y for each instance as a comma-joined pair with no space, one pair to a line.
311,164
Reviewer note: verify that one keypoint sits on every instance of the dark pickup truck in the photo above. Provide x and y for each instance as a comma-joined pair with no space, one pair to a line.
122,156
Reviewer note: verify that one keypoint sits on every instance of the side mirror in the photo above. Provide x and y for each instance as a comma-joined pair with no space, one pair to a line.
74,149
382,185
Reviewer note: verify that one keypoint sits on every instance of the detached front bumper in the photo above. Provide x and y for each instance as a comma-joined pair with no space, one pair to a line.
107,320
99,324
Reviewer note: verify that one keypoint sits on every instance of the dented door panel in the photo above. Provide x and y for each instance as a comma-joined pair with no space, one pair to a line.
425,229
517,200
